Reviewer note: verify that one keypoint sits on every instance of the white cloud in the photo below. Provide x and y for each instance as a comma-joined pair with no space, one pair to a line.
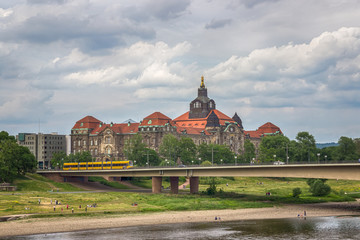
277,61
302,72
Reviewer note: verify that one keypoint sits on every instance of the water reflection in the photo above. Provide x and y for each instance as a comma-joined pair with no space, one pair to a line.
311,228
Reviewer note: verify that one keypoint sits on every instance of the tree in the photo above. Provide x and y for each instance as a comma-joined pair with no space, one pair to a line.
214,153
205,163
58,159
14,159
271,146
318,187
149,157
134,148
249,151
306,147
187,150
347,149
170,148
296,192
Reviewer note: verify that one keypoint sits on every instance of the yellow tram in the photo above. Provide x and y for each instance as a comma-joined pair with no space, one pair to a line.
98,165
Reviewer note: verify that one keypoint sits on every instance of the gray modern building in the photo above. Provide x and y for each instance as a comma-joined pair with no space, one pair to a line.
43,146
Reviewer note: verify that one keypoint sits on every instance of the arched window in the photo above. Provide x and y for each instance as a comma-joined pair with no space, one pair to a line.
95,151
197,105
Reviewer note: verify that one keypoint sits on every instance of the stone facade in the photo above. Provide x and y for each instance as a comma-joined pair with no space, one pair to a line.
203,123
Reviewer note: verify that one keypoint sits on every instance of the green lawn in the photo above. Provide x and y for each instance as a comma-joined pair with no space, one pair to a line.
236,193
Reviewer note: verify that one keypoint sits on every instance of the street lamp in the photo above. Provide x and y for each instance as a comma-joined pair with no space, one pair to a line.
221,161
235,160
325,158
253,160
192,162
318,157
274,157
135,162
199,160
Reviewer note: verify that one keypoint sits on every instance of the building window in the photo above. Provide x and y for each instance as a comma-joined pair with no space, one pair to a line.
95,142
95,151
79,143
108,140
91,142
84,143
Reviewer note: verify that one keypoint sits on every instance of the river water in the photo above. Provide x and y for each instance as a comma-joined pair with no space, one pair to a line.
298,228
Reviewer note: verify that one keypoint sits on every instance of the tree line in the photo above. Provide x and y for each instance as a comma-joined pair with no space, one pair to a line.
174,151
303,149
15,160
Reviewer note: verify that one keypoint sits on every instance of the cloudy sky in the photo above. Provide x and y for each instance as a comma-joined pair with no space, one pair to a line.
293,63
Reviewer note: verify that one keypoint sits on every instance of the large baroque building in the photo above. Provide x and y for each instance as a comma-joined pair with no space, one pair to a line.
203,123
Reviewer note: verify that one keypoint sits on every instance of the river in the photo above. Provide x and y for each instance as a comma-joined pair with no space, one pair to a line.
298,228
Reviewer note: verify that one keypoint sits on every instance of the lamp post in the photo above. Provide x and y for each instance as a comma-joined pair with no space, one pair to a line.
135,162
199,161
235,160
274,157
318,157
221,161
325,158
192,162
253,160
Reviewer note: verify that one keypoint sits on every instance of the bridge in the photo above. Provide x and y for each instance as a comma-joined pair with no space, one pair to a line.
347,171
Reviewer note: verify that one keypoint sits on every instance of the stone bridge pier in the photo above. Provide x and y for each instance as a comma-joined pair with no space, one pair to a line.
174,184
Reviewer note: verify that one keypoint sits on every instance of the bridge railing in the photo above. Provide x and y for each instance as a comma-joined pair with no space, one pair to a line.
228,165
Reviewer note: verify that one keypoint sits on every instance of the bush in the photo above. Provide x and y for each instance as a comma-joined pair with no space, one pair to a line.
319,188
296,192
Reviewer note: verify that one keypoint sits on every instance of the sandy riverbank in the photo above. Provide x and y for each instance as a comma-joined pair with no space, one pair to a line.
65,224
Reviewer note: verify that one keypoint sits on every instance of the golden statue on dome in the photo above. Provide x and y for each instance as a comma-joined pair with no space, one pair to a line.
202,85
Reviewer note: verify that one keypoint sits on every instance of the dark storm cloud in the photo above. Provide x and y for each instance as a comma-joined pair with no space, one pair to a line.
218,23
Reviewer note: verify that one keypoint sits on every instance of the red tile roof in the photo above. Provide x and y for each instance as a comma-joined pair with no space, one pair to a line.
192,131
155,119
120,128
87,122
266,129
185,121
